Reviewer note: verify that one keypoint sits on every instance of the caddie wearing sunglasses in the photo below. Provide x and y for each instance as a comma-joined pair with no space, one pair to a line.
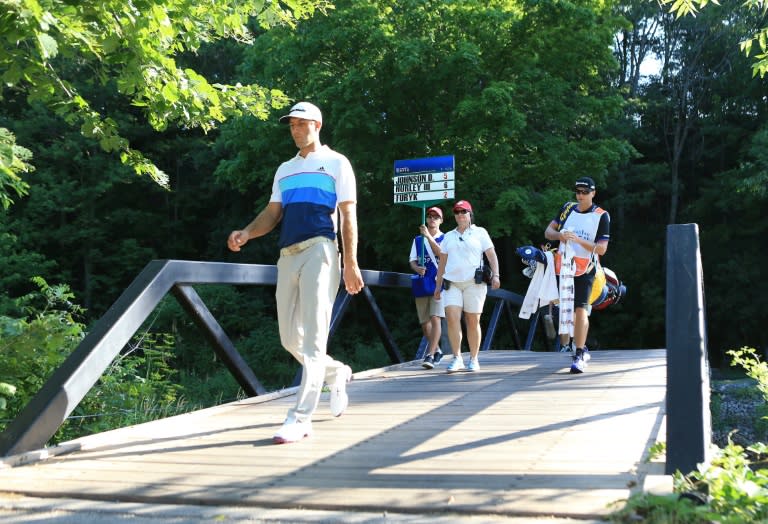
583,231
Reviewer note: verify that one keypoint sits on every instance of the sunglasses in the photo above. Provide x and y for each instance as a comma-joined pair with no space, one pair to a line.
434,217
583,191
460,212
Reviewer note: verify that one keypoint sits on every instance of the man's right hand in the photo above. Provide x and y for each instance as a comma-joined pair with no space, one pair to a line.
566,235
237,239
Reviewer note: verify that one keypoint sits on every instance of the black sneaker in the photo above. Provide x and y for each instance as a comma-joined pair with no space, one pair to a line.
438,356
428,363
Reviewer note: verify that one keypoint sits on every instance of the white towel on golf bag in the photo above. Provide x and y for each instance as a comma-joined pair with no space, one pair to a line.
567,272
543,287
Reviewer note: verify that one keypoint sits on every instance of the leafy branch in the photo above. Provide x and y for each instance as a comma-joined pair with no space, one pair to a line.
14,160
136,47
758,41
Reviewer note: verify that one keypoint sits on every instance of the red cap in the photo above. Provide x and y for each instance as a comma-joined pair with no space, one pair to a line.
462,204
436,210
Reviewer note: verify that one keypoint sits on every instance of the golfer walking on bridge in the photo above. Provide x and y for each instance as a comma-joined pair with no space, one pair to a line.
308,192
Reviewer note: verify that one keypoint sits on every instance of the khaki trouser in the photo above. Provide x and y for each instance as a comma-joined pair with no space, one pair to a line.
307,283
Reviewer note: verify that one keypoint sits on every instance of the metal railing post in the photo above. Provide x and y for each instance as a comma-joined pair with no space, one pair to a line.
689,425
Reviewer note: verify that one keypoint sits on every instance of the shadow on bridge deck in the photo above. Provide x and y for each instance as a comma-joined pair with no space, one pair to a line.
522,437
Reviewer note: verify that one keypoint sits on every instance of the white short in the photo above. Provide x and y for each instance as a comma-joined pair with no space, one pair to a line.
470,297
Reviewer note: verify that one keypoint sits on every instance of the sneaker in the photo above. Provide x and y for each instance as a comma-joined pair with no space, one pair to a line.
339,397
585,355
474,365
457,364
578,364
438,356
428,363
567,348
292,432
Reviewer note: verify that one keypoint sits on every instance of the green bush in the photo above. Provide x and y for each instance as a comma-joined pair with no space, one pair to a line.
732,489
137,387
37,333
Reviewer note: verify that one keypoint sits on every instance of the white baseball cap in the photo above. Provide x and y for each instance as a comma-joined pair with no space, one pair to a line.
305,111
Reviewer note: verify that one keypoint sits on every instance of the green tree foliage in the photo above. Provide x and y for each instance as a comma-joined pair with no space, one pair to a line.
516,90
757,37
39,330
37,333
139,385
95,226
134,45
78,212
14,160
694,126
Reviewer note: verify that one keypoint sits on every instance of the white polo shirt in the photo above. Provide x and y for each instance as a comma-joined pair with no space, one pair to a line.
465,252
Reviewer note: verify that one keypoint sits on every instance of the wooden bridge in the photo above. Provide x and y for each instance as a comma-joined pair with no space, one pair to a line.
520,439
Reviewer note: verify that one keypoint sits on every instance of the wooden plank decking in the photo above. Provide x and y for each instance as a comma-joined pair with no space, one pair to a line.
522,437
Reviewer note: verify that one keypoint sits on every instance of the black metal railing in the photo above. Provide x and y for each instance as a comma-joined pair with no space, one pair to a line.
689,425
69,384
687,406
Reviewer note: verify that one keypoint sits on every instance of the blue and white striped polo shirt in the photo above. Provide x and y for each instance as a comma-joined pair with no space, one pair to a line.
309,190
